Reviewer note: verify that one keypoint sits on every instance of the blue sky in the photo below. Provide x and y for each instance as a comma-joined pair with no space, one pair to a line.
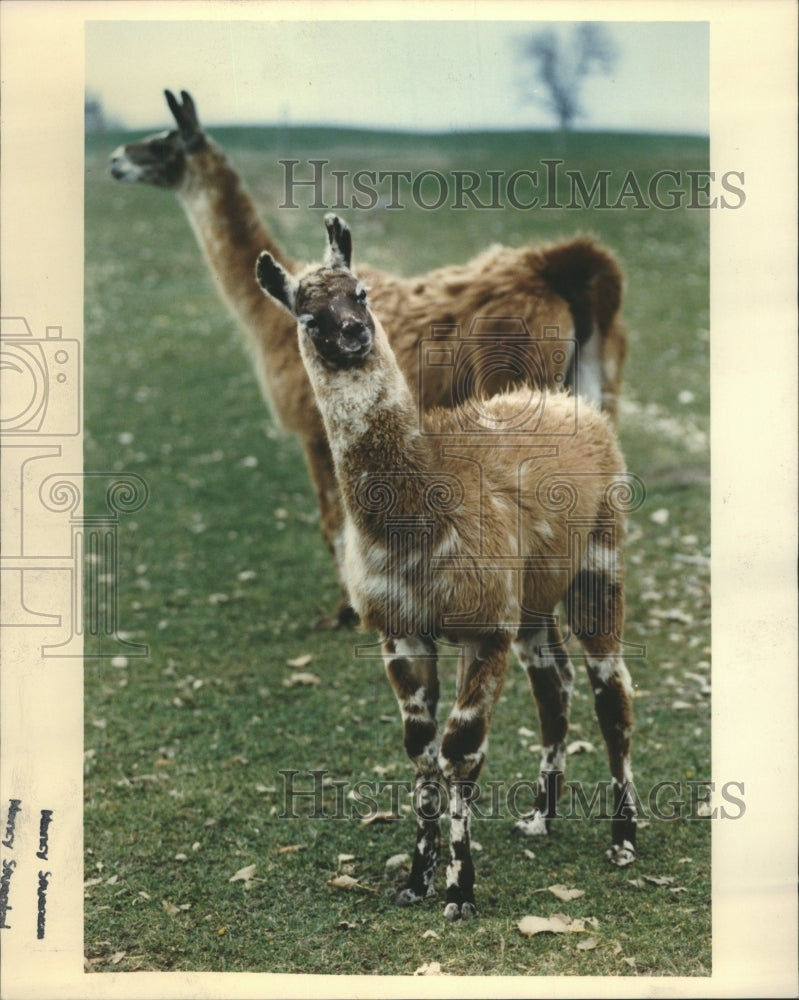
432,75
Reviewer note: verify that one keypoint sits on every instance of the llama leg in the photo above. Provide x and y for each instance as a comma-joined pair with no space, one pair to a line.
411,668
481,674
595,606
331,512
543,656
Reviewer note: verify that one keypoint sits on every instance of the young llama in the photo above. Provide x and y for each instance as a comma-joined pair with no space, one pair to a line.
468,530
522,296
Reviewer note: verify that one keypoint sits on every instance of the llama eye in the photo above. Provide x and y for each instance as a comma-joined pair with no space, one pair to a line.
309,323
360,293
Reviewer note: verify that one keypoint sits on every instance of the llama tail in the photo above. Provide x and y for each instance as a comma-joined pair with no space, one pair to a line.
589,279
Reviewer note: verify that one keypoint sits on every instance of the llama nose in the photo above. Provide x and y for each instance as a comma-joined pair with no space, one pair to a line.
354,334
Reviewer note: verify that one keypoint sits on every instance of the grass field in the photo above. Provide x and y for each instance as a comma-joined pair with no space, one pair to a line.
223,572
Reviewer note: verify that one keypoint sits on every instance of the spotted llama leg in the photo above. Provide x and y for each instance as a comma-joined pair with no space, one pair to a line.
411,668
481,673
542,654
595,607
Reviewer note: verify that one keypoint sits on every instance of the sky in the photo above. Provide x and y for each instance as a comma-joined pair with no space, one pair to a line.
426,75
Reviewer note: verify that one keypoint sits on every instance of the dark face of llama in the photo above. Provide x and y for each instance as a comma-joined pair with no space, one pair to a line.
159,160
333,313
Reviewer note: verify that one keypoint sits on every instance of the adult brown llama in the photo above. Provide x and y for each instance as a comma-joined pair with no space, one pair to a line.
547,315
469,529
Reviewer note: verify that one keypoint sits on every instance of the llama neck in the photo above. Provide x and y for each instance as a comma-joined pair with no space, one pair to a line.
231,236
371,419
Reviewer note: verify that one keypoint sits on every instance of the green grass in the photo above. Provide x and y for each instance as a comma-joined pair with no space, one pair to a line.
223,572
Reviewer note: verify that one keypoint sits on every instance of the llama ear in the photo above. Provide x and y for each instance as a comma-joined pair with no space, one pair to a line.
276,282
184,114
339,238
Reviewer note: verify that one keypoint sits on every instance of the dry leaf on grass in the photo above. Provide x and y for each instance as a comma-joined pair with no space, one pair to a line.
659,879
530,925
117,957
564,894
290,849
430,934
170,908
556,923
429,969
587,944
300,661
379,817
243,874
397,861
347,882
580,746
301,679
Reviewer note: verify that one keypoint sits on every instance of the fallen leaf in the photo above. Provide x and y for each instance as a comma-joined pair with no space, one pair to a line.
580,746
541,925
397,861
302,679
587,944
117,957
300,661
345,857
346,925
379,817
343,882
659,879
290,849
430,934
91,881
564,894
429,969
243,874
170,908
528,853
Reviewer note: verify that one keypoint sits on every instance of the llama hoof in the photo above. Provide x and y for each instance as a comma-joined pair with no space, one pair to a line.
621,856
462,911
409,897
534,825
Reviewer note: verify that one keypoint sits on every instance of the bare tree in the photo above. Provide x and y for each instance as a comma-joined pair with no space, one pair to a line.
561,67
